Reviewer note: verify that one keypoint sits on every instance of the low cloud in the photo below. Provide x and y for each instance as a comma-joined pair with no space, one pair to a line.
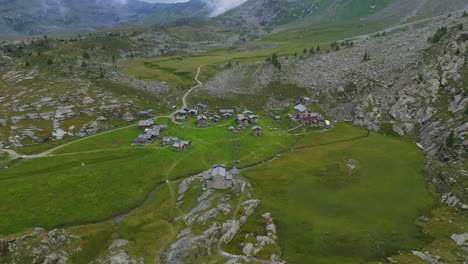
218,6
221,6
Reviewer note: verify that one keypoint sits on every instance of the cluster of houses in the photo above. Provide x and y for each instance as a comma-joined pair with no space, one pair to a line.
204,117
306,117
249,118
150,132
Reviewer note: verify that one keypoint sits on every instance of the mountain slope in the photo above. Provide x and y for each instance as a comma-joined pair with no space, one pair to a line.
255,13
58,16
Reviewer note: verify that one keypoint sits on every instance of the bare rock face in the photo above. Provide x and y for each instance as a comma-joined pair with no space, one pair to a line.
53,247
57,258
427,257
460,239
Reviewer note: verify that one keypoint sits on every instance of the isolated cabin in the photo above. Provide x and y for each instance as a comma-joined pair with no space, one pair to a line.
145,124
218,178
257,131
202,121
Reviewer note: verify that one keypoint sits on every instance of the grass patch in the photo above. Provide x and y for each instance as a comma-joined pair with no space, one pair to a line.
328,214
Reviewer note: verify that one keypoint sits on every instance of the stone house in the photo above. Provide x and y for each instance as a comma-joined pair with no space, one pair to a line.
227,113
181,145
257,131
218,178
215,118
242,120
193,112
253,119
154,132
303,115
180,118
143,140
146,113
166,141
202,121
145,124
316,118
200,107
247,113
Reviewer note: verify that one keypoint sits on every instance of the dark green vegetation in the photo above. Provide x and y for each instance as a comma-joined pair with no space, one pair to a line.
78,187
347,202
87,185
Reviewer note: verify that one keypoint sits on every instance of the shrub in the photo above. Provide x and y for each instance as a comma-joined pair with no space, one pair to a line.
439,35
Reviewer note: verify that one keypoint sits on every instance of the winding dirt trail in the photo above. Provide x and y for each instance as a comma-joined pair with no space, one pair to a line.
184,97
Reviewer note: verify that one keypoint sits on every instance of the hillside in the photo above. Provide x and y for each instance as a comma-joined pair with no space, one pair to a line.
66,16
313,13
332,131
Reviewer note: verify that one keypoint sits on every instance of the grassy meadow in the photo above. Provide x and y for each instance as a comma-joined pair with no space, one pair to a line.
348,202
85,181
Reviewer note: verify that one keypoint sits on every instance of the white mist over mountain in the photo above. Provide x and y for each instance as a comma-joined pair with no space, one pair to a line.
221,6
218,6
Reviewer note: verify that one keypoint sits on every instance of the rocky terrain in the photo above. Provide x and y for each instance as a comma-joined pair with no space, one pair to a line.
409,84
409,87
53,89
214,220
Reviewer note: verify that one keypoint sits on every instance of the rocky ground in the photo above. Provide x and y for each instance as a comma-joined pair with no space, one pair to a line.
34,111
213,221
408,82
410,87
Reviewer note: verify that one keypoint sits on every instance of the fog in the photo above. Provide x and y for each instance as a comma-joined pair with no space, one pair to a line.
218,6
